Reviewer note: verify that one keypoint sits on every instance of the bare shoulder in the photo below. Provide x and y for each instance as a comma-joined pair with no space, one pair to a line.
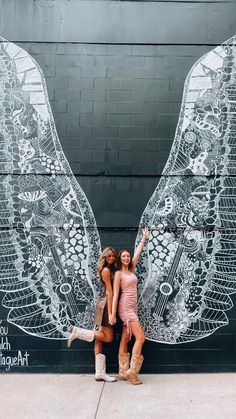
105,274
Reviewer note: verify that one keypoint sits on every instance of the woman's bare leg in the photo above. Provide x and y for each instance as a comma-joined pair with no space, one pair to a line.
137,357
124,356
138,333
123,348
97,347
104,334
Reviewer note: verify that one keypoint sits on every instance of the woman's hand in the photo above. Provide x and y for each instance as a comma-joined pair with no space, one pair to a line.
111,319
145,233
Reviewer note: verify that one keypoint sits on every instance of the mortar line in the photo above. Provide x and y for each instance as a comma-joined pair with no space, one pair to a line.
95,417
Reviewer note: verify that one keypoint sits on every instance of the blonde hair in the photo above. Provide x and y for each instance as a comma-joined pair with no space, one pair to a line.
102,260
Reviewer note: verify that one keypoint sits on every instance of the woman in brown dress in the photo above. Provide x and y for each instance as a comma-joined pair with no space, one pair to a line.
103,315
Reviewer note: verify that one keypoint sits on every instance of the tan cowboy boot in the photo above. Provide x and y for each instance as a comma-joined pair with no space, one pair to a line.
82,334
100,374
135,366
123,365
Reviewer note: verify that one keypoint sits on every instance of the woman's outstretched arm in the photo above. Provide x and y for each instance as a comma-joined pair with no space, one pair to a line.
140,246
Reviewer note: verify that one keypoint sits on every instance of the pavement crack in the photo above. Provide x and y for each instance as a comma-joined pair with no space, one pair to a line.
103,385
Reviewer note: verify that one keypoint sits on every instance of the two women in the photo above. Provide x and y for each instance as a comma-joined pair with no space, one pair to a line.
105,314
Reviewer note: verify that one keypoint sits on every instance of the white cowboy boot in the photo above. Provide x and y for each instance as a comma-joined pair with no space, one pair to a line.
100,374
82,334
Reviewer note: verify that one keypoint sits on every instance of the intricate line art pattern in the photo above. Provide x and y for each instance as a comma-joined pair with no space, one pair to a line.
48,238
188,269
49,243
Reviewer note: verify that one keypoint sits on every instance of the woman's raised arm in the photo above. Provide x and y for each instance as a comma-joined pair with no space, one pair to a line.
140,246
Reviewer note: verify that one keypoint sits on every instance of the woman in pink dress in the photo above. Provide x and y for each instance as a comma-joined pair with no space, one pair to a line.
126,281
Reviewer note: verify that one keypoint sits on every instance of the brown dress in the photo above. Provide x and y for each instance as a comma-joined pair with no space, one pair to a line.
101,309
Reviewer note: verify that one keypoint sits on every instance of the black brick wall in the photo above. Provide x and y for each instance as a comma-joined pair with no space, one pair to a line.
116,108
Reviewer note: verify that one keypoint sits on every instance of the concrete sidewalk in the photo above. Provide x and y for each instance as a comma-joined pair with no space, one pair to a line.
180,396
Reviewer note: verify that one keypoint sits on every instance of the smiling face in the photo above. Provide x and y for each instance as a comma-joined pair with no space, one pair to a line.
110,258
125,258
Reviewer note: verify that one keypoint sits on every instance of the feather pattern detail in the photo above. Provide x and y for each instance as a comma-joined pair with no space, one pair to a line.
187,271
49,242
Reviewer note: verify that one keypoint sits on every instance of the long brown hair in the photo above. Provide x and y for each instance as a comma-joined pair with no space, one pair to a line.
102,260
119,264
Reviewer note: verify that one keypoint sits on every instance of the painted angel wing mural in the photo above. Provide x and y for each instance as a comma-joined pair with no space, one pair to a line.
49,243
188,268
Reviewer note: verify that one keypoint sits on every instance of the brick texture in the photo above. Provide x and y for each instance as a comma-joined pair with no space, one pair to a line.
116,108
122,100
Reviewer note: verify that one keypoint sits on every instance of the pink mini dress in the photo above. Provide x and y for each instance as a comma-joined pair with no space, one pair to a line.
128,307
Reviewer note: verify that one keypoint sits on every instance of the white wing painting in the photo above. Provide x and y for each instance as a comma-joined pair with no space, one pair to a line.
188,269
49,243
